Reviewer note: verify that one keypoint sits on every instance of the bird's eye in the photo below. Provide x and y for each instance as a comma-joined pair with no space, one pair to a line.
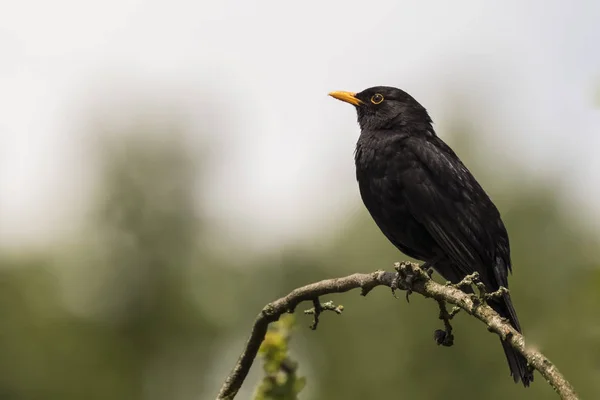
376,99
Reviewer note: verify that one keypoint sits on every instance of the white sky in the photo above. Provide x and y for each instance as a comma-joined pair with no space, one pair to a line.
534,65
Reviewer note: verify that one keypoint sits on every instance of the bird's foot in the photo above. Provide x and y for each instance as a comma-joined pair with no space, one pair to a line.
407,274
318,308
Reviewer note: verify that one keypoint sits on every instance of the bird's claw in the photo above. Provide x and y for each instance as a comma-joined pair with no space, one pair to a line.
406,277
409,280
395,283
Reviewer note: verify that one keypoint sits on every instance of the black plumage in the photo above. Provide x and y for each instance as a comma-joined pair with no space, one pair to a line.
426,202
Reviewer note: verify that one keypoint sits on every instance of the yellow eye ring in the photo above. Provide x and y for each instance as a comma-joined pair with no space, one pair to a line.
376,98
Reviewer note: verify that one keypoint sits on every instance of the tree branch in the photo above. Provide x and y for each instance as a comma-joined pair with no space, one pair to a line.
408,276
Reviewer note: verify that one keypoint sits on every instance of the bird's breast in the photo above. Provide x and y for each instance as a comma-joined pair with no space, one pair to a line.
380,169
381,183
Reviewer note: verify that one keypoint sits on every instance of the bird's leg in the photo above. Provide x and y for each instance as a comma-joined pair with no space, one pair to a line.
428,267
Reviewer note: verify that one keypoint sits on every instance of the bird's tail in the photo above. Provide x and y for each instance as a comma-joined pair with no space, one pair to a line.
516,362
504,307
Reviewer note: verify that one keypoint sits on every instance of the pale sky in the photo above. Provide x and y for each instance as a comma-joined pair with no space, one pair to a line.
533,66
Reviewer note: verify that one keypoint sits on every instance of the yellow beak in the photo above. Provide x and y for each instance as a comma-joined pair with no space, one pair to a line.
348,97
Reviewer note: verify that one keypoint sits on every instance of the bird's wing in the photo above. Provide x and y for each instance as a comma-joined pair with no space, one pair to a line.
443,196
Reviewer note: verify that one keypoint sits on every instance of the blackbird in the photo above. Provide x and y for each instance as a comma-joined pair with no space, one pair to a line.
427,203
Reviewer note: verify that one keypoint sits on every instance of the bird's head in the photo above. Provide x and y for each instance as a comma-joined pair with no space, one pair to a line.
385,107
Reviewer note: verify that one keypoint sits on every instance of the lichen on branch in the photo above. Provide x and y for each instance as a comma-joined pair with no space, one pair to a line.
410,277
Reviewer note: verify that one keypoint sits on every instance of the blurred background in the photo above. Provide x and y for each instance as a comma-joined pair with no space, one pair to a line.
169,167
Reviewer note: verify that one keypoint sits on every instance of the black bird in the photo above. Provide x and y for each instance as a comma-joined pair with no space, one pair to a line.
426,202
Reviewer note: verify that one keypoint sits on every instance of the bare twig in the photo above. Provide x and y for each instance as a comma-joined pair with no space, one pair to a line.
318,308
410,277
445,337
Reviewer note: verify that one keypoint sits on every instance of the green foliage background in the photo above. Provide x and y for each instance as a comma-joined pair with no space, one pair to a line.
139,306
